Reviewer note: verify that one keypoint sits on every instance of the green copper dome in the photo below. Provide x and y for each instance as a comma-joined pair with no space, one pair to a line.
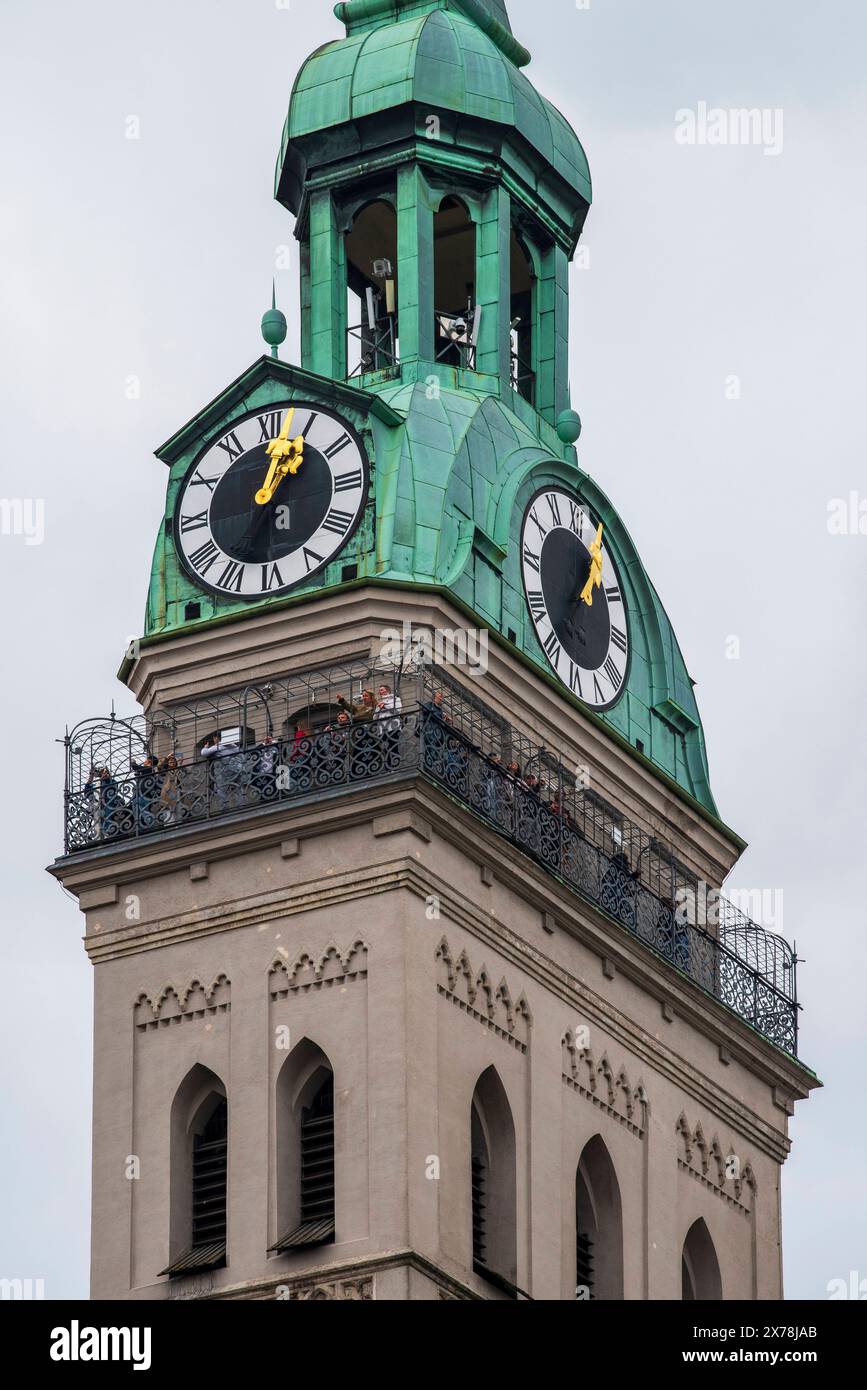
434,56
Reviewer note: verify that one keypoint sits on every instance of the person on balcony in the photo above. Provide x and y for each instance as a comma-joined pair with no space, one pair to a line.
145,791
387,723
222,772
171,794
265,768
334,749
363,713
431,727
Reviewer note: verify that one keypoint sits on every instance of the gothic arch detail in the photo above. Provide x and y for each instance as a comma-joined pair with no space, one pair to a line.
473,992
174,1005
723,1172
599,1083
307,971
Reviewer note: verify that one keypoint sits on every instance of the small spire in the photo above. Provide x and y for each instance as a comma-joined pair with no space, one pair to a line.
274,324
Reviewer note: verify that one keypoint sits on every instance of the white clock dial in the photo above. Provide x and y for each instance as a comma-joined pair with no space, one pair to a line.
231,543
582,626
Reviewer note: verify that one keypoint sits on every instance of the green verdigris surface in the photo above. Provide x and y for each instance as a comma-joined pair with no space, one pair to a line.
456,454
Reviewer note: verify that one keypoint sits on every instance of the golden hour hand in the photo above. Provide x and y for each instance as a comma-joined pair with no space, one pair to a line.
594,578
286,456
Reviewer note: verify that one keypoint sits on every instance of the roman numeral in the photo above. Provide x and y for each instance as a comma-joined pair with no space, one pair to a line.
197,480
612,673
598,697
336,447
202,559
338,522
192,523
347,482
576,517
536,600
232,576
551,499
613,594
618,638
531,559
311,559
310,423
271,577
575,679
232,446
552,647
270,425
543,531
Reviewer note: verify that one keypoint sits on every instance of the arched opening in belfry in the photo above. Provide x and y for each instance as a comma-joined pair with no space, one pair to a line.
699,1266
522,310
304,1157
493,1180
198,1173
598,1226
371,290
456,314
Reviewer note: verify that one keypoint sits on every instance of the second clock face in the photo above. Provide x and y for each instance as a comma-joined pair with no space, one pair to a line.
234,544
586,643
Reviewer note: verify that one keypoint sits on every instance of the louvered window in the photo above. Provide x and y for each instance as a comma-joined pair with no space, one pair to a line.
210,1149
585,1264
317,1156
479,1177
316,1159
209,1179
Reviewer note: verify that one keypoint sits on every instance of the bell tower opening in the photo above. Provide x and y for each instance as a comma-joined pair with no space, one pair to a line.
522,308
456,314
371,290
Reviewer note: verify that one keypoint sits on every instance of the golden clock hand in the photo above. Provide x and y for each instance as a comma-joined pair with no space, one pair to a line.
594,578
286,456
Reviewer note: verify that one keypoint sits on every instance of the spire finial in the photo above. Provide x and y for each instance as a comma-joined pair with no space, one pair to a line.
274,324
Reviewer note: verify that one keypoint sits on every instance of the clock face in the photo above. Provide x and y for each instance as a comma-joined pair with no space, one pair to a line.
234,543
586,643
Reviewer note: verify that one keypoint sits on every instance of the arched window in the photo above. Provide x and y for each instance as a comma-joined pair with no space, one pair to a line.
199,1173
598,1225
522,312
493,1183
456,316
305,1149
371,284
699,1266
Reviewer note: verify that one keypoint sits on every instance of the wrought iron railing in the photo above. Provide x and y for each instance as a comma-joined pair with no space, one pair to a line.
325,733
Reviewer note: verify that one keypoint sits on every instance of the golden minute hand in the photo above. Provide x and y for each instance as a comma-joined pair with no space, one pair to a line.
594,578
286,456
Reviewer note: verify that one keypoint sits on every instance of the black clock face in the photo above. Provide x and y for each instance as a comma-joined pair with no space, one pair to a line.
233,543
585,639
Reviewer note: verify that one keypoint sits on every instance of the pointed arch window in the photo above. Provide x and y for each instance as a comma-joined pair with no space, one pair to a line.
198,1179
598,1226
699,1266
305,1155
493,1185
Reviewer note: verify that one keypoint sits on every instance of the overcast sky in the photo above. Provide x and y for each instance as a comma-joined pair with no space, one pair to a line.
717,361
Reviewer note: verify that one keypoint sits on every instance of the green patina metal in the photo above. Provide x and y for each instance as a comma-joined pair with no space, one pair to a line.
456,453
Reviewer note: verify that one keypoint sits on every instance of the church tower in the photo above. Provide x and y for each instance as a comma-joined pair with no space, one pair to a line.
412,974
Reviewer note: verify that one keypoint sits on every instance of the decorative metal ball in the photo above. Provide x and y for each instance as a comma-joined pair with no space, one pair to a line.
568,426
274,327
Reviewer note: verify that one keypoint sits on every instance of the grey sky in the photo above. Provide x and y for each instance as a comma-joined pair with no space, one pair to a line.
153,258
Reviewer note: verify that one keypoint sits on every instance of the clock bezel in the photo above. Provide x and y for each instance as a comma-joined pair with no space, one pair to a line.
588,507
265,408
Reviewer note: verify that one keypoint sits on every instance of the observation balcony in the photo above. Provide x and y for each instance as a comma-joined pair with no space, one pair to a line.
317,735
